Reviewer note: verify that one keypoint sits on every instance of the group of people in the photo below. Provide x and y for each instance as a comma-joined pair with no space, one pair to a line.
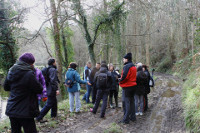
103,82
29,85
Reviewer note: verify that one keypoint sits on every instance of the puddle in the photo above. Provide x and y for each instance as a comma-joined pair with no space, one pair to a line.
172,83
169,93
3,104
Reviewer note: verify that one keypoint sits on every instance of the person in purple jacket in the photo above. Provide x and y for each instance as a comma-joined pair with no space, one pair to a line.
40,78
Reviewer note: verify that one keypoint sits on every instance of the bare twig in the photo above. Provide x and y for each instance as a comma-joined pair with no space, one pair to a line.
45,45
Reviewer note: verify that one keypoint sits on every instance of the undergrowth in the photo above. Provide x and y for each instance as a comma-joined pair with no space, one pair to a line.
188,69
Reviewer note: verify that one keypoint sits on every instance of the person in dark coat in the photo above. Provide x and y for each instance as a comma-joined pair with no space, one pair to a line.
147,87
22,104
94,89
115,86
140,91
128,84
102,93
52,91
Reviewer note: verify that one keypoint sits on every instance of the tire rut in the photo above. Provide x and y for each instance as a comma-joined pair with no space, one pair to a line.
164,114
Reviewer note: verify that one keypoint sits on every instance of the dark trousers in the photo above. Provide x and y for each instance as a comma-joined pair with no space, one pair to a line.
94,94
145,102
101,94
28,125
128,107
51,104
115,94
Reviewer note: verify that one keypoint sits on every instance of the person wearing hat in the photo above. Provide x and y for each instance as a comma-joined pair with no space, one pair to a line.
22,104
52,91
72,82
128,84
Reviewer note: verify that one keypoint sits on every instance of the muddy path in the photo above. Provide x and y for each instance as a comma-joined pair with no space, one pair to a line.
164,114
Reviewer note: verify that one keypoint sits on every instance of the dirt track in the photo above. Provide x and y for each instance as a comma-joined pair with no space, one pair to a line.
164,114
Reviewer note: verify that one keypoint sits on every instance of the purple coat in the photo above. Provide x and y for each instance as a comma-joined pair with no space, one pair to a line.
41,79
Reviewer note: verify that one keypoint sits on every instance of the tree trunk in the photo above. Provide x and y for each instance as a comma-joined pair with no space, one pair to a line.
92,55
56,33
64,44
147,42
106,38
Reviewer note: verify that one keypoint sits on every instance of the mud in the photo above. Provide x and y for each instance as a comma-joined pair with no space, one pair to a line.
163,116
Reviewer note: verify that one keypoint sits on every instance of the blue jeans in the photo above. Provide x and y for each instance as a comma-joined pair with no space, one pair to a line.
51,104
139,103
128,107
77,101
87,94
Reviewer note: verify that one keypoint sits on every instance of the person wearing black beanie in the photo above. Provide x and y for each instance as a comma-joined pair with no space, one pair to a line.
128,84
128,56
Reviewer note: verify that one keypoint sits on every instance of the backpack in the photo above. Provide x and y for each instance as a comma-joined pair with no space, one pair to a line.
151,82
45,73
70,82
102,80
141,78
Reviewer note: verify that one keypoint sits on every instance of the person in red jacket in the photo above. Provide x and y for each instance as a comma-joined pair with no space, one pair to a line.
128,84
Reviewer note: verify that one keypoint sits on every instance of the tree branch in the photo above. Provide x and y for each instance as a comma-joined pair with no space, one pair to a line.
45,45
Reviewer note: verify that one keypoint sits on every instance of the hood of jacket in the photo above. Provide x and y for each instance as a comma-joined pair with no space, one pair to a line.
15,71
103,70
71,69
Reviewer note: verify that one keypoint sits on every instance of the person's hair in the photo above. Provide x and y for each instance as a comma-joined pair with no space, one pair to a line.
139,68
98,63
73,65
139,64
103,62
111,65
51,61
89,62
145,67
104,65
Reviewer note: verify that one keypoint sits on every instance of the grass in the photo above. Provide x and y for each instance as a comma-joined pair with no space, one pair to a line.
191,102
63,114
189,72
113,128
5,126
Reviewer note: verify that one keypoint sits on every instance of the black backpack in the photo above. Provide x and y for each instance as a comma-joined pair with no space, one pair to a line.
45,73
141,78
102,80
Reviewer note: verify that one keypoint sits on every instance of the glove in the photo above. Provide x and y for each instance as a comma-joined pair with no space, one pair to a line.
44,99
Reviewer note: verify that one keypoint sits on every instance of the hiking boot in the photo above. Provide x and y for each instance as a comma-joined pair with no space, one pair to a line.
91,110
122,122
133,120
103,117
41,121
